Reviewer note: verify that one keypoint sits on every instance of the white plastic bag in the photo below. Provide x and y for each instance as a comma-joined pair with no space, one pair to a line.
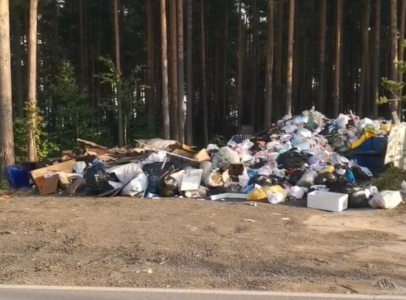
386,200
125,173
296,192
275,198
136,186
305,133
341,121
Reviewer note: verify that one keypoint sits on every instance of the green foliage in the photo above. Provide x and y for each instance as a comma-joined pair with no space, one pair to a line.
45,147
73,116
394,88
4,185
124,90
218,140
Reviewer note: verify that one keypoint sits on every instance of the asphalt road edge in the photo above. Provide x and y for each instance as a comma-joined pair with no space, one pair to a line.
206,292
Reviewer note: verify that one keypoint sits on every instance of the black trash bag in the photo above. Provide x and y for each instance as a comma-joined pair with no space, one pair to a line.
328,179
295,177
153,184
155,168
357,198
263,180
168,186
360,176
97,180
292,159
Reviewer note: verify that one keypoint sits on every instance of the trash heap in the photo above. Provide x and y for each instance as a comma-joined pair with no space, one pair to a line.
306,159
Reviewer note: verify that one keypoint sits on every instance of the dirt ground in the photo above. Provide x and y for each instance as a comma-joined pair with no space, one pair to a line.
200,244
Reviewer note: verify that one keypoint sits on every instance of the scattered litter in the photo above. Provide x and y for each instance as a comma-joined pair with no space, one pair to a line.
329,164
248,220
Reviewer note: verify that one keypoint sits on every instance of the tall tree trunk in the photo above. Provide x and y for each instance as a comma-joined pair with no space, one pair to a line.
181,72
223,75
365,56
174,70
269,66
376,59
164,53
289,77
82,66
150,68
6,101
279,58
189,72
203,70
394,47
255,40
322,56
400,46
19,95
337,64
118,76
32,81
240,64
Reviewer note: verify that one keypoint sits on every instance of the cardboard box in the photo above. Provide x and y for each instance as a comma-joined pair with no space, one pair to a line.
49,185
328,201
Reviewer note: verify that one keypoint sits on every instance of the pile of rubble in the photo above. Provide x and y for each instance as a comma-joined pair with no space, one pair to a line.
302,158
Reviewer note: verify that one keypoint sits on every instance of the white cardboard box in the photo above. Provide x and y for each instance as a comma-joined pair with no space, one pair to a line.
328,201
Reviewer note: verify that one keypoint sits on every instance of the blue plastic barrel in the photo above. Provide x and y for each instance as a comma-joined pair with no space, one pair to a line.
18,176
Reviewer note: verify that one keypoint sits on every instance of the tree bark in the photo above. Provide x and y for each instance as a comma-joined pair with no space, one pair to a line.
279,58
269,66
376,58
337,64
181,72
164,53
189,72
203,69
150,68
118,76
240,64
322,56
19,95
32,81
365,56
400,46
255,41
394,48
82,66
174,70
6,101
289,76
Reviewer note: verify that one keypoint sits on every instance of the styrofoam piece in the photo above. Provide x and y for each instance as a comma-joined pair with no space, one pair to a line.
229,196
191,180
328,201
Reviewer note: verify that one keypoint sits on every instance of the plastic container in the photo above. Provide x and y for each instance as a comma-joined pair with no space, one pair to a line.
371,154
18,177
333,202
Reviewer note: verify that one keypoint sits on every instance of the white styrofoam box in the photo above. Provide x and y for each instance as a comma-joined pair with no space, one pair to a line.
328,201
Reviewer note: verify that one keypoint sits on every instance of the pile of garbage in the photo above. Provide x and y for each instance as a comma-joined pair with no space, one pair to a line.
301,158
